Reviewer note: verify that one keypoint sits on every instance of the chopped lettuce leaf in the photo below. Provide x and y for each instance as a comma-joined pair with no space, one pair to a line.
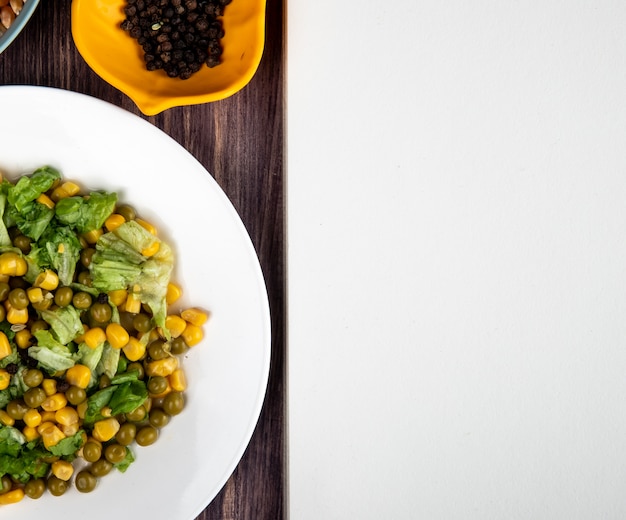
29,187
32,220
19,459
108,361
64,322
58,249
119,264
5,239
51,354
11,440
86,213
128,397
69,446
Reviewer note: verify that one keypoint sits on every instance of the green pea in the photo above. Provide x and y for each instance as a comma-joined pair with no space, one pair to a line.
5,289
92,451
126,434
128,212
18,298
39,325
178,346
100,312
81,300
35,488
34,397
137,415
157,385
173,403
22,242
6,483
16,409
86,256
159,349
142,322
33,377
100,468
136,367
158,418
115,453
56,486
85,481
147,435
63,296
84,278
75,395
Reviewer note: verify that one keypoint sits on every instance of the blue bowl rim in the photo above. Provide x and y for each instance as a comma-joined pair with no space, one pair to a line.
20,22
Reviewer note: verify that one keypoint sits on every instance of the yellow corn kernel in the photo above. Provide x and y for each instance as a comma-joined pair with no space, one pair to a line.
5,346
81,409
105,429
152,249
49,386
118,297
35,294
48,416
78,375
30,432
32,418
114,221
5,379
12,264
175,324
134,350
94,337
50,434
132,304
147,226
195,316
15,316
23,338
59,193
71,188
91,237
6,419
54,402
174,292
45,200
66,416
4,278
69,429
47,280
177,380
117,335
192,334
162,367
12,497
62,469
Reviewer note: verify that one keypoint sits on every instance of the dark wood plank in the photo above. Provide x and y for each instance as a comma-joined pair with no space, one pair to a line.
240,141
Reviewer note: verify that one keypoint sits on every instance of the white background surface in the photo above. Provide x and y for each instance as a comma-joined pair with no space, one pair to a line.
457,259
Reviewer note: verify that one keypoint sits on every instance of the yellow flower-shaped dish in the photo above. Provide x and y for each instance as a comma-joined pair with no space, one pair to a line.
118,59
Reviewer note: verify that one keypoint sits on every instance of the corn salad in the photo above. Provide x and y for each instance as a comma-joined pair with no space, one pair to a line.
90,342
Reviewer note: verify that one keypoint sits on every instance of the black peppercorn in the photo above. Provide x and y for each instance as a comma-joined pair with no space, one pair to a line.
177,36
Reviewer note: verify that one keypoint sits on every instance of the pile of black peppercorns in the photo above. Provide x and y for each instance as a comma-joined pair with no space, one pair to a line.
177,36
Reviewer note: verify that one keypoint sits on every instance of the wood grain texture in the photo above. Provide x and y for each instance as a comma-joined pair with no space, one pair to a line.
240,142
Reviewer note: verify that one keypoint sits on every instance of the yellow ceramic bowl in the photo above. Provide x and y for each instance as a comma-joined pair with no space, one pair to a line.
118,59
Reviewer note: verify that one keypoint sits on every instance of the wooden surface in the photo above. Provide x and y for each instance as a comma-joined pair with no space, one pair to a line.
240,141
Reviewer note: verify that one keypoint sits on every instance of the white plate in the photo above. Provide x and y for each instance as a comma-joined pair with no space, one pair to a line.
103,146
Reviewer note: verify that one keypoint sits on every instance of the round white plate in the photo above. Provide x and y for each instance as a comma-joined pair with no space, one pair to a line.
104,147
